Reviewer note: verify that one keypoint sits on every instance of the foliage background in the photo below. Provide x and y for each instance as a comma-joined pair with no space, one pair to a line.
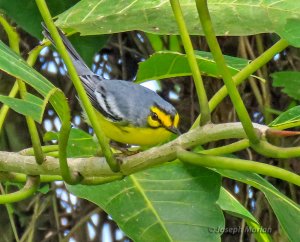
116,56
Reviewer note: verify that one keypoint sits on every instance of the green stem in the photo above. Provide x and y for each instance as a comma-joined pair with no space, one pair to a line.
33,55
45,149
56,214
273,111
187,44
255,89
71,178
264,71
28,235
259,62
265,86
260,48
14,44
101,180
238,165
13,37
21,178
4,109
227,149
220,61
35,139
292,188
10,216
245,73
53,154
266,149
31,186
103,141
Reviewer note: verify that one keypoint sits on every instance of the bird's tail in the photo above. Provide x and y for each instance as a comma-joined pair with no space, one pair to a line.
85,74
80,66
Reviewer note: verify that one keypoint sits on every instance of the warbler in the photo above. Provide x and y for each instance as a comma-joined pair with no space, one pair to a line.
127,112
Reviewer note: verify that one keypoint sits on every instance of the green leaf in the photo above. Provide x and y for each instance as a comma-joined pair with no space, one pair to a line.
291,32
26,14
81,144
286,210
288,117
290,81
229,203
260,234
31,106
173,202
30,20
14,65
166,64
51,135
234,63
92,17
44,189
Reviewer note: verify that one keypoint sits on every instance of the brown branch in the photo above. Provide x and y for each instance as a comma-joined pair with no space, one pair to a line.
97,166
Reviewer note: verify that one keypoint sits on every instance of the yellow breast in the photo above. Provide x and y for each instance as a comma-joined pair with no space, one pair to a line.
133,135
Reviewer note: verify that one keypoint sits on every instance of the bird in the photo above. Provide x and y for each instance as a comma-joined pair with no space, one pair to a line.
128,113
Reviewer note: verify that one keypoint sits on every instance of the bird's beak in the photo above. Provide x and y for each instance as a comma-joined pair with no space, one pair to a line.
174,130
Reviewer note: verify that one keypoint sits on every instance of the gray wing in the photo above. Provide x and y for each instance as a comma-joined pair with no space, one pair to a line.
125,102
104,99
120,101
88,78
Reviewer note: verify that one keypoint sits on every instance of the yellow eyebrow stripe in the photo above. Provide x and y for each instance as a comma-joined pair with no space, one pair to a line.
165,119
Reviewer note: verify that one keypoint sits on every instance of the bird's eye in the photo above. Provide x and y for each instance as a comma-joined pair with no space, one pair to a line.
154,116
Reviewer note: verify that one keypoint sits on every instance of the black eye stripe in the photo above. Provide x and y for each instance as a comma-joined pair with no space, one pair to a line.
172,115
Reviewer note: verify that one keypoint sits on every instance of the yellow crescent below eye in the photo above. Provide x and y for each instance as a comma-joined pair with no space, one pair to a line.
153,123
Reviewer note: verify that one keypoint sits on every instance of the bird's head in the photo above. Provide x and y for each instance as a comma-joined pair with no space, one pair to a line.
164,117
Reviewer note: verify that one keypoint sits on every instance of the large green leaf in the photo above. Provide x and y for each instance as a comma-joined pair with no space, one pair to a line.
288,117
14,65
291,31
82,144
289,80
229,204
286,210
166,64
155,16
232,206
31,105
173,202
26,14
